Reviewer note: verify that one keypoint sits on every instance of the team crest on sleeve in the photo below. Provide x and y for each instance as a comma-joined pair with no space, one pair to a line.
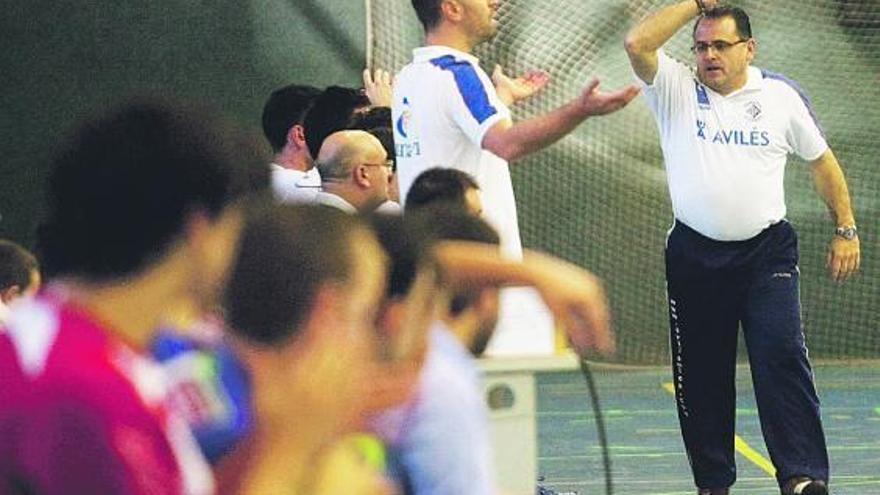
402,123
408,144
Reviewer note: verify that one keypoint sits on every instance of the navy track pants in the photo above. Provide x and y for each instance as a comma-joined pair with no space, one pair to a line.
713,288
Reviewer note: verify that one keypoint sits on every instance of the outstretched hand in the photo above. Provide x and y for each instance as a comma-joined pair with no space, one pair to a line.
378,87
513,90
595,102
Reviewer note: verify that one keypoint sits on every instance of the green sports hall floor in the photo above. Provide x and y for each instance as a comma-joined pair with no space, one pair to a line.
646,449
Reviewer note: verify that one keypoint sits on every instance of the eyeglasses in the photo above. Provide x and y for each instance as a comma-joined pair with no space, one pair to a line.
389,164
719,46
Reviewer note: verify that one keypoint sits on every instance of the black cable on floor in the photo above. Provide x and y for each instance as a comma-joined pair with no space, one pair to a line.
600,425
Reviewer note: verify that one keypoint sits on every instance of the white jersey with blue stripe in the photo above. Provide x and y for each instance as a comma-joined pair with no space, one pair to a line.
725,155
442,107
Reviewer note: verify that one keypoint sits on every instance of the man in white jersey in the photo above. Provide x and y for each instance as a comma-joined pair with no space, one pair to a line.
731,258
447,112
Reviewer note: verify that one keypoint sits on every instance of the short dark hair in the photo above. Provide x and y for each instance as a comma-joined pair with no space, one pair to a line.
16,265
439,186
377,121
428,12
285,108
287,253
122,186
372,118
450,223
739,16
331,111
408,249
386,136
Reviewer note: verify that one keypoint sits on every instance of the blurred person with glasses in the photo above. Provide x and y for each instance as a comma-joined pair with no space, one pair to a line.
726,131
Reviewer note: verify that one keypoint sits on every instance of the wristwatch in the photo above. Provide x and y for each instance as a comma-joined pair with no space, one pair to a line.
848,232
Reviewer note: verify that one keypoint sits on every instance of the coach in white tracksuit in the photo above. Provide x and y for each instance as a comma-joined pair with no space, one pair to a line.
731,258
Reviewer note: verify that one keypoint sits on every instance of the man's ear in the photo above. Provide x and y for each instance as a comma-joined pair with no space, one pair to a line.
197,230
296,136
208,244
10,293
323,312
361,176
322,318
391,318
752,48
451,9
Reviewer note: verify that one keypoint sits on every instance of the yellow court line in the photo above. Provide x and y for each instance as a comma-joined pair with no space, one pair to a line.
740,445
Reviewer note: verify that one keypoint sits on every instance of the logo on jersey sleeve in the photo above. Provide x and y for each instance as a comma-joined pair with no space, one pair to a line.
408,145
402,124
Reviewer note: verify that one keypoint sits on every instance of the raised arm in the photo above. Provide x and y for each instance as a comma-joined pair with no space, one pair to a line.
574,295
843,254
511,141
643,41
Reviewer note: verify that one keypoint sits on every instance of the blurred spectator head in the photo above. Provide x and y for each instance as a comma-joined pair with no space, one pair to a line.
148,182
19,272
445,186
